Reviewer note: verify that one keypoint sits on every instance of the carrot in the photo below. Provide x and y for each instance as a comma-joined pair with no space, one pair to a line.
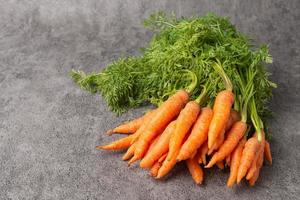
162,117
233,137
203,152
184,122
122,143
198,134
132,126
220,165
253,167
267,151
249,151
218,143
154,169
153,143
129,152
235,162
170,161
221,108
258,166
161,147
195,170
167,165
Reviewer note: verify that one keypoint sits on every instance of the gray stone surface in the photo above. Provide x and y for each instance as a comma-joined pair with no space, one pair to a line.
49,127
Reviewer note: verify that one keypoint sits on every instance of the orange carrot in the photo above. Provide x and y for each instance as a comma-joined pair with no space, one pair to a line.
167,165
235,162
170,161
254,165
220,165
198,134
268,154
222,106
184,122
129,152
161,147
195,170
233,137
249,151
218,143
162,117
122,143
153,143
221,109
258,166
154,169
260,151
203,152
132,126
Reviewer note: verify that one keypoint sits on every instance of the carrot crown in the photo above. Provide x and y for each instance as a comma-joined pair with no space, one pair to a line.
219,69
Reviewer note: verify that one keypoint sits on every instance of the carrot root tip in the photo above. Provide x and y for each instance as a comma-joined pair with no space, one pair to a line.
110,132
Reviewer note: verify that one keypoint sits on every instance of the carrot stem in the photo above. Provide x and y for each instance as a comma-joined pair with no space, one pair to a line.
218,67
194,82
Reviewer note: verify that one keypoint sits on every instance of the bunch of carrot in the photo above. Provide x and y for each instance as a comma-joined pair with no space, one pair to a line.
187,130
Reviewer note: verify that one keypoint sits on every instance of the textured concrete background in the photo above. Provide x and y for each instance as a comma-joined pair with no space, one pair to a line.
49,127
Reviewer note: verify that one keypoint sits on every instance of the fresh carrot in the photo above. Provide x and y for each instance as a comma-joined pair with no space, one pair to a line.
260,151
254,165
258,166
162,117
170,161
167,165
129,153
154,169
195,170
221,108
122,143
220,165
161,147
203,152
268,154
198,134
233,137
218,143
132,126
153,143
249,151
235,162
184,122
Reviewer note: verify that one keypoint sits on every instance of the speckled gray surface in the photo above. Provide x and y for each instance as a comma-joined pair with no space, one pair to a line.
49,127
